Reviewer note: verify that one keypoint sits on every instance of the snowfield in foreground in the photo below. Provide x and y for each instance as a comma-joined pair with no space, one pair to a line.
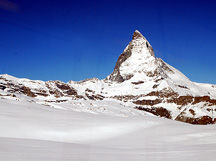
35,132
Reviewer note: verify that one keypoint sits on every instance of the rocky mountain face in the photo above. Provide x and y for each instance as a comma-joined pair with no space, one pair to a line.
139,81
138,53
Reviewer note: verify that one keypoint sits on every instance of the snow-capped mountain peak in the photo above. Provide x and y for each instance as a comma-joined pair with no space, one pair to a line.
137,35
137,57
140,81
139,42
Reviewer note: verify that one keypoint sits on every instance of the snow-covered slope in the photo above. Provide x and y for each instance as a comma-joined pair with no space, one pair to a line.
140,84
34,132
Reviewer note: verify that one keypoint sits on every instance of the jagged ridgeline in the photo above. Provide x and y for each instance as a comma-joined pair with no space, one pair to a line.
140,81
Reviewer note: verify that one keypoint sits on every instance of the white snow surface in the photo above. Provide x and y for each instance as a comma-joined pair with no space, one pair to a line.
34,132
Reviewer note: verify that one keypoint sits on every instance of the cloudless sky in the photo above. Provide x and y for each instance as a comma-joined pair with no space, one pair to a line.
76,39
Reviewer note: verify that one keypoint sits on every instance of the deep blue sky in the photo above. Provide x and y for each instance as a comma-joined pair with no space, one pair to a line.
74,40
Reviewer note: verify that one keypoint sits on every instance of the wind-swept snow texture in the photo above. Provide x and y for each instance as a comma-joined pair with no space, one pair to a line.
34,132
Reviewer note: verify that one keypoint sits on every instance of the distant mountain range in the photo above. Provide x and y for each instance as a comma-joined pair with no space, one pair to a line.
140,82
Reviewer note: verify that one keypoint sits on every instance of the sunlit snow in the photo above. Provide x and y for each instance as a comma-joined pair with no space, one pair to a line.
34,132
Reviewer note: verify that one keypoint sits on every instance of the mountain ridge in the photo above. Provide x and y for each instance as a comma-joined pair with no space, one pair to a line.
139,81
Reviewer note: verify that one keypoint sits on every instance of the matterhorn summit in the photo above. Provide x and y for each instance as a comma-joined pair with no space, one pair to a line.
140,84
138,62
137,57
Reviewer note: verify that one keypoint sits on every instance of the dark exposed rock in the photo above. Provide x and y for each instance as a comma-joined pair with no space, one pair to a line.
56,93
183,87
66,89
79,97
148,102
204,99
115,75
70,92
158,111
27,91
63,86
182,100
165,93
153,74
160,79
209,109
192,112
40,91
60,90
149,47
2,87
155,86
88,90
137,83
127,77
204,120
13,95
137,35
92,96
95,97
98,97
19,88
42,94
201,99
